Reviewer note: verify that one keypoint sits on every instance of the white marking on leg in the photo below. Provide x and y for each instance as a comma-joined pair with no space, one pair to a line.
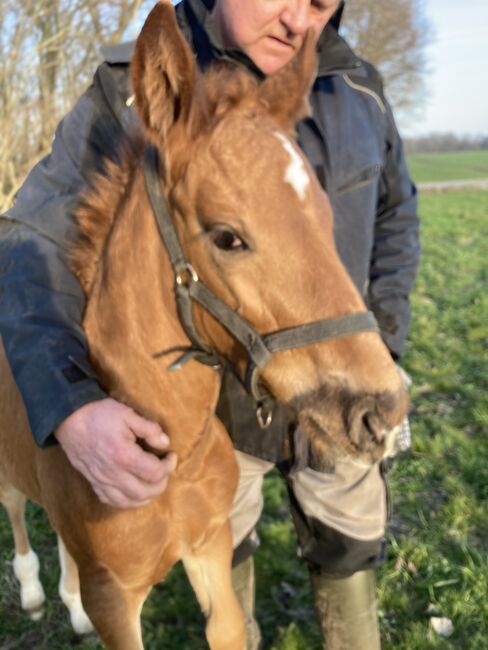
138,619
80,622
296,173
26,570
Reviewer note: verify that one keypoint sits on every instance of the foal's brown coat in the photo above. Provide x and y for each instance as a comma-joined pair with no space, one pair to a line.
223,168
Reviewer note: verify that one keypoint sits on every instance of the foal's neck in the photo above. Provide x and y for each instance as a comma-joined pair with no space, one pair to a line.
131,316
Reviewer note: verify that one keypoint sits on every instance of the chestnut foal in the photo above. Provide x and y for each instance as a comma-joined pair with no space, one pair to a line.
256,229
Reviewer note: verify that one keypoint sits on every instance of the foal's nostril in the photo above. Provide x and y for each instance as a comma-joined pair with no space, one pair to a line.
367,424
373,427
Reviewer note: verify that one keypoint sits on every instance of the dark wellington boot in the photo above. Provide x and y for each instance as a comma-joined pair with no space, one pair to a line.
244,587
346,610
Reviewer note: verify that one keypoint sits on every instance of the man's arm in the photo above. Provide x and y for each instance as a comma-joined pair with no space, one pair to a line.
41,302
41,307
396,249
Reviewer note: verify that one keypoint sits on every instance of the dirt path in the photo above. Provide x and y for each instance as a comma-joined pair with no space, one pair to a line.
446,186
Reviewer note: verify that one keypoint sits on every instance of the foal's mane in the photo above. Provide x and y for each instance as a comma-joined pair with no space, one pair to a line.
98,208
223,88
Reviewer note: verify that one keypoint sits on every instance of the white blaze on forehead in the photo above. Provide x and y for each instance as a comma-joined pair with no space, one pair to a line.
296,173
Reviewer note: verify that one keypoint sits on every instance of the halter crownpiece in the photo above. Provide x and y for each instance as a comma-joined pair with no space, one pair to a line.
260,348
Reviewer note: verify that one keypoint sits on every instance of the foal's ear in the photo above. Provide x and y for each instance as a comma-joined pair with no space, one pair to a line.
285,93
163,73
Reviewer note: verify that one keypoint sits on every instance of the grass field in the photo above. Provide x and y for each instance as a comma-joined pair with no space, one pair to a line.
459,165
438,559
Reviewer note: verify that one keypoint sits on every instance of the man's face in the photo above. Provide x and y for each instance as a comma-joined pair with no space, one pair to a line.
271,32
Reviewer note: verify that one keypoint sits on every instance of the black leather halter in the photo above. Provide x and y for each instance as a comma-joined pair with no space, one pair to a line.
260,349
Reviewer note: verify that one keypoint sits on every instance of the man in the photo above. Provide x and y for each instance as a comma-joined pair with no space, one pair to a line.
352,143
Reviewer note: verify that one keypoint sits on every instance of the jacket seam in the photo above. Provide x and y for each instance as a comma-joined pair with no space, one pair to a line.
367,91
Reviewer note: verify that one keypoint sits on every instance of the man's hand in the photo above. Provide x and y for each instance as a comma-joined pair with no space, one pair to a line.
99,440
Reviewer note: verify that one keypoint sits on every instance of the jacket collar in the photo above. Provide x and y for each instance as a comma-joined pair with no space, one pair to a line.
335,55
337,17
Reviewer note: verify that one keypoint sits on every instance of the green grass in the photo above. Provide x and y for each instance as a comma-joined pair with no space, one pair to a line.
459,165
440,530
438,560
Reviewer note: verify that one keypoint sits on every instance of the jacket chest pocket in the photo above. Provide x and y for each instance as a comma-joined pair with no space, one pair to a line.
359,179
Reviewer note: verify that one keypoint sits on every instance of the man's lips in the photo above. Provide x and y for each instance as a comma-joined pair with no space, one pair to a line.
279,42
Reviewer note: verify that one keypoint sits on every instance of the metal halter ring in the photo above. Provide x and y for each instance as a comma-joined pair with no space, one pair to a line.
187,269
264,416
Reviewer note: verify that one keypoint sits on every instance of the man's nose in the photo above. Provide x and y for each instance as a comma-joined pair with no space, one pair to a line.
295,16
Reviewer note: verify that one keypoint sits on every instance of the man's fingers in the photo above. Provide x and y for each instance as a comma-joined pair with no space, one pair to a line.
171,460
149,431
112,496
147,467
130,491
100,440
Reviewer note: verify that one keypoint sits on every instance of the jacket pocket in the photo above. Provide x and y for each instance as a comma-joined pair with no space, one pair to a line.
364,177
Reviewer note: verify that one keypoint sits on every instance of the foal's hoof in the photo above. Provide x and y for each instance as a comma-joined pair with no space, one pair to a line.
26,570
80,623
35,614
32,599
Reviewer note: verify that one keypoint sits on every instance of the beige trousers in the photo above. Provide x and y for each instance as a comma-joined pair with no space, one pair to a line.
352,500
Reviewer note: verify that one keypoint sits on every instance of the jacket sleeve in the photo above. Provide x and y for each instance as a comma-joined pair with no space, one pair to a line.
41,302
396,248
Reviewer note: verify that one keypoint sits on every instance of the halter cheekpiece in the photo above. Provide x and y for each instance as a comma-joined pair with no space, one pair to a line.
260,348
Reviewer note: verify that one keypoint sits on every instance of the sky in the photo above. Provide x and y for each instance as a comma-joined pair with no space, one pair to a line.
457,79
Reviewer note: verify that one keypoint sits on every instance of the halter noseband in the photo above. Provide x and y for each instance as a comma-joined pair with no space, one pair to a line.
260,349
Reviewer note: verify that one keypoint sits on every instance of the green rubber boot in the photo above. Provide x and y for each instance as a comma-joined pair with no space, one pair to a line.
346,609
244,586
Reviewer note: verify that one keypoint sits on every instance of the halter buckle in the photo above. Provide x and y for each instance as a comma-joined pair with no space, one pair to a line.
264,416
186,270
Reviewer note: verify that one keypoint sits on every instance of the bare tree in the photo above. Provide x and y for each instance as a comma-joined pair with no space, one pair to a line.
445,142
49,50
392,34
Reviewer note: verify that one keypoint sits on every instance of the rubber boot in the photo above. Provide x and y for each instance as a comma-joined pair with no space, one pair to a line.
244,586
346,609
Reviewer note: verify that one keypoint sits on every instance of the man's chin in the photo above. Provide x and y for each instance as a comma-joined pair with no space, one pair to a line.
270,60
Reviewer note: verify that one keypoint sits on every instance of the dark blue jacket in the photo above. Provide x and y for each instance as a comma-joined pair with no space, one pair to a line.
353,145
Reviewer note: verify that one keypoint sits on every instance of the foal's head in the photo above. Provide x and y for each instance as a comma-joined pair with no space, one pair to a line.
257,228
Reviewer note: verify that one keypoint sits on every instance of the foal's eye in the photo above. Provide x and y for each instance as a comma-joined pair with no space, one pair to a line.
226,239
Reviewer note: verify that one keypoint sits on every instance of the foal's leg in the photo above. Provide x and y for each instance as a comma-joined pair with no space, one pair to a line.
209,571
26,563
69,590
113,609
